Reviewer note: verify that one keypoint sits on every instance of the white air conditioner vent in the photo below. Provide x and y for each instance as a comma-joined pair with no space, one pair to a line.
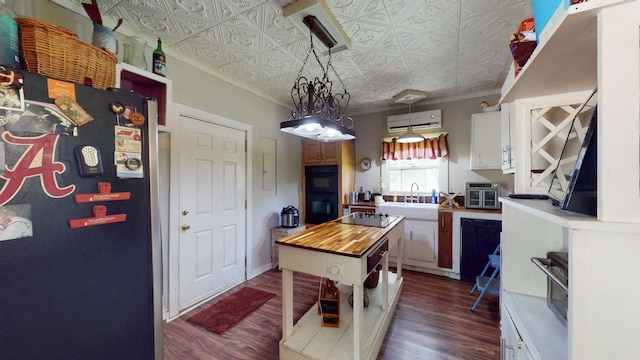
423,120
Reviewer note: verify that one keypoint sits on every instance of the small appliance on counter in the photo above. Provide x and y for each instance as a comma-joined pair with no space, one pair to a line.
290,217
482,196
353,197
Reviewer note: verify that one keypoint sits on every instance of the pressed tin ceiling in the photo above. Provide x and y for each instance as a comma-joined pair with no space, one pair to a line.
448,48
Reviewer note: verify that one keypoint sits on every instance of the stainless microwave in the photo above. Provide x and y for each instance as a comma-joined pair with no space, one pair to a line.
482,196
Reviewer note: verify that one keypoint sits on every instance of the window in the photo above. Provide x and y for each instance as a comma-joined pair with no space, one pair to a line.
428,174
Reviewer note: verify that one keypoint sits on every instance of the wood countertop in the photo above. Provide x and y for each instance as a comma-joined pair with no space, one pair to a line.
337,238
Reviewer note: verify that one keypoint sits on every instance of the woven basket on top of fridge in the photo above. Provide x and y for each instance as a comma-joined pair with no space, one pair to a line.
54,51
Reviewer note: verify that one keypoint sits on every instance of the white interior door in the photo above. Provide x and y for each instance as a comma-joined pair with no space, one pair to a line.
212,205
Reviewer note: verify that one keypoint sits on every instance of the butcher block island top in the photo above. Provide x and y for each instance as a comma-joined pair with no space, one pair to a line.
340,238
344,252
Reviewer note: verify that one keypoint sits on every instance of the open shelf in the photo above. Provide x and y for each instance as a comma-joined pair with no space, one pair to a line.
565,59
544,334
148,84
312,341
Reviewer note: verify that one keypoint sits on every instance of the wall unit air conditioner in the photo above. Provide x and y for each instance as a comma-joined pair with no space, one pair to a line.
422,120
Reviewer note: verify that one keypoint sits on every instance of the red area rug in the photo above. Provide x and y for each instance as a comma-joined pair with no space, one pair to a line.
226,313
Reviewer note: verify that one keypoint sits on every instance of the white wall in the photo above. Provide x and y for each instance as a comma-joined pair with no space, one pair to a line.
456,120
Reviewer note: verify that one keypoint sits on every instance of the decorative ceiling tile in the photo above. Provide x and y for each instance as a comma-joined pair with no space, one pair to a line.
441,16
242,71
193,8
397,10
366,34
151,5
277,61
276,26
190,26
298,49
151,17
347,9
374,60
446,47
208,55
244,5
238,33
183,49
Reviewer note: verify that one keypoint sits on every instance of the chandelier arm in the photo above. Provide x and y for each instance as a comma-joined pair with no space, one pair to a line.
314,100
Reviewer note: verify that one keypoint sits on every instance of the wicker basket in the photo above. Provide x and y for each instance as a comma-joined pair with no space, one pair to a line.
54,51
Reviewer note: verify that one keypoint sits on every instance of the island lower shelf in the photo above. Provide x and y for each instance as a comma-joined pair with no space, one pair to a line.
312,341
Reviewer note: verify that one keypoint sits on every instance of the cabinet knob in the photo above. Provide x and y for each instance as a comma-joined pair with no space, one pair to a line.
185,212
186,226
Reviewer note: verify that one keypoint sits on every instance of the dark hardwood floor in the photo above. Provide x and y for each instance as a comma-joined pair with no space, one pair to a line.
432,321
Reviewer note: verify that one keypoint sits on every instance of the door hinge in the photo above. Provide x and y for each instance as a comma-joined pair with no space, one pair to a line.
245,204
245,146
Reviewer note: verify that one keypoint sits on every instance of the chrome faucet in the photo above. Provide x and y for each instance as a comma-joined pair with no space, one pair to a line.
413,199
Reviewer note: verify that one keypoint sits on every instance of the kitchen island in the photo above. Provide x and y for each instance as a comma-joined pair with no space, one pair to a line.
346,252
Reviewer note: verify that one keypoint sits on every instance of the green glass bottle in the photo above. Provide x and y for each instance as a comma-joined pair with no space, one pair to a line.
159,60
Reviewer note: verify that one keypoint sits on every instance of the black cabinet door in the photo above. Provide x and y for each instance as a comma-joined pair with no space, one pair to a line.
479,239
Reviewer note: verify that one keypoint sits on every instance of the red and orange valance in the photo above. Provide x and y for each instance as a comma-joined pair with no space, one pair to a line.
429,148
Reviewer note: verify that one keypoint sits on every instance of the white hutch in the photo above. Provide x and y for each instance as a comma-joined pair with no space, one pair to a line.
591,44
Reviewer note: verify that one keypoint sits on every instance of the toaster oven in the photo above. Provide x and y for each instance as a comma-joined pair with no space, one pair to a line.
482,195
556,267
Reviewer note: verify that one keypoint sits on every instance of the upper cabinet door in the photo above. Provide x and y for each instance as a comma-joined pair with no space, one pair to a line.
317,152
485,143
311,152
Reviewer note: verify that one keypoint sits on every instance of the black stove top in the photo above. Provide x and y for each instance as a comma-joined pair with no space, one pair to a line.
367,219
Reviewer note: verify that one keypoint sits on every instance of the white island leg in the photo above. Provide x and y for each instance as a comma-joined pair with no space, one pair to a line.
358,310
287,303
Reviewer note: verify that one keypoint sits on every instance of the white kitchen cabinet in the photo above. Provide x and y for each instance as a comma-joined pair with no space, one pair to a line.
507,137
512,346
485,150
420,241
510,341
420,246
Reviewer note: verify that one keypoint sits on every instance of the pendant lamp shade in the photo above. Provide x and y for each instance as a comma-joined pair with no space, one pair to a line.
410,136
409,97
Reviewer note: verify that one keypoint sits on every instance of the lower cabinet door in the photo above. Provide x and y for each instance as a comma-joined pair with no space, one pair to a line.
420,242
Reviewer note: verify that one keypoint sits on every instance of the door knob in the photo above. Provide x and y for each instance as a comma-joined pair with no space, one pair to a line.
186,226
185,212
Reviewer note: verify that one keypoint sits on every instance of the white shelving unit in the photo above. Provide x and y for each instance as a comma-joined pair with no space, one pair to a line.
566,58
595,43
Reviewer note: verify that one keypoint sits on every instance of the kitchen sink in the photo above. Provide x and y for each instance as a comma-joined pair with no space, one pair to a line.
418,211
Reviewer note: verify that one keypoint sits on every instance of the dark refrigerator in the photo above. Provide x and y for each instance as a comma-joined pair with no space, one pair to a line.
79,227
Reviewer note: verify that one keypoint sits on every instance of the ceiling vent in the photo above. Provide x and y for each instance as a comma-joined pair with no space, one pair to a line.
423,120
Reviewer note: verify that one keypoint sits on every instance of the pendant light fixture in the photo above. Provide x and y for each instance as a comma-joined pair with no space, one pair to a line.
410,97
320,112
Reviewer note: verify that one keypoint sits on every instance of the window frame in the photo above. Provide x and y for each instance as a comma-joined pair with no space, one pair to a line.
443,178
